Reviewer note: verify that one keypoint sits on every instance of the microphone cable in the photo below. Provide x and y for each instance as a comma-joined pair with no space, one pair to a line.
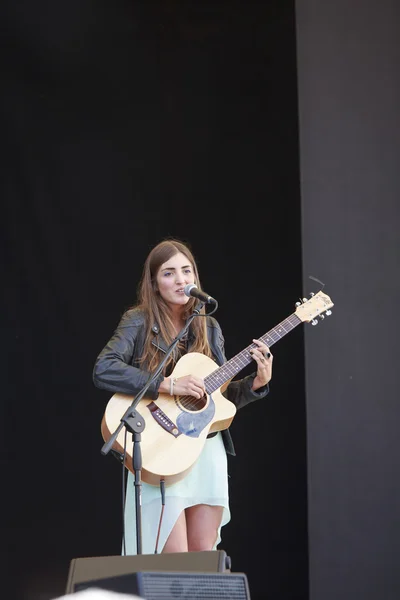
162,489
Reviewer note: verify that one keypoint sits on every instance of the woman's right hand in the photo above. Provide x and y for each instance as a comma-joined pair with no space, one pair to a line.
188,385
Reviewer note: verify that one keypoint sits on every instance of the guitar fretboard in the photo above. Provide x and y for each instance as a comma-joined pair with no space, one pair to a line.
233,366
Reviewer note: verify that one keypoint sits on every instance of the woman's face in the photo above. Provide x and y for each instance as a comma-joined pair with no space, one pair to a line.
172,277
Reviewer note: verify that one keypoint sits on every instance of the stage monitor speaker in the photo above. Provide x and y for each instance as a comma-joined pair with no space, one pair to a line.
153,585
98,567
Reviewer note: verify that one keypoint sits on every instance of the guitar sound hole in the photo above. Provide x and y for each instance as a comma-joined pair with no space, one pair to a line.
189,403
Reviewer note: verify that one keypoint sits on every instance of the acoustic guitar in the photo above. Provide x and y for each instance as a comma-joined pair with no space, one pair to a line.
176,427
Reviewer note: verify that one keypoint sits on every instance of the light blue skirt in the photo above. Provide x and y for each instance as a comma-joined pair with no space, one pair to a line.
206,483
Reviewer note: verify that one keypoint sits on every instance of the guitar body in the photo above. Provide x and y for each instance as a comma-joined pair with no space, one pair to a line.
176,427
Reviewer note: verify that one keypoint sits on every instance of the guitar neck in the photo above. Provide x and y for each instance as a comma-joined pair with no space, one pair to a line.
233,366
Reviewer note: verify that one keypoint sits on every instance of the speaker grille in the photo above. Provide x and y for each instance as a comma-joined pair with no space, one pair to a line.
192,586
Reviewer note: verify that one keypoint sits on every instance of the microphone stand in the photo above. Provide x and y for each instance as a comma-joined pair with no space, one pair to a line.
134,423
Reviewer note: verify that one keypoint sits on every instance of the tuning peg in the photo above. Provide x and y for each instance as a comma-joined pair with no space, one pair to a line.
314,322
304,300
328,312
312,294
322,317
298,304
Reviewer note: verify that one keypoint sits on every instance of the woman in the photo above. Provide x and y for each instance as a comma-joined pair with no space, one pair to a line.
197,506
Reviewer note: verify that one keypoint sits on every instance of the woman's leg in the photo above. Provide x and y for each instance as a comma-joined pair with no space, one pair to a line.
202,524
177,539
195,530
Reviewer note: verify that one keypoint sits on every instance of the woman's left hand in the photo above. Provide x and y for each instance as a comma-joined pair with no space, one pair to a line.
263,357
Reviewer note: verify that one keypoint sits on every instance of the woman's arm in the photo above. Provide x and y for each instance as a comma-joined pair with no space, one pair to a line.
113,369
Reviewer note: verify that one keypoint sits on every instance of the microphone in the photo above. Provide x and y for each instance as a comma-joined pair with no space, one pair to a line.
192,290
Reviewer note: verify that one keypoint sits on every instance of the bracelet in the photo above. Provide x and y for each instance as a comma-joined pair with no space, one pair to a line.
171,385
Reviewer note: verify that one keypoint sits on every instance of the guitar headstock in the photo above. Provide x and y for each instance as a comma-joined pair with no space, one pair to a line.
318,305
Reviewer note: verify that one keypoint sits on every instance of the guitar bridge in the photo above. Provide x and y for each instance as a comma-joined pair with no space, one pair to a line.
163,420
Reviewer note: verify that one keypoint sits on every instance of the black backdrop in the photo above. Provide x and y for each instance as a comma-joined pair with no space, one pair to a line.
124,123
348,57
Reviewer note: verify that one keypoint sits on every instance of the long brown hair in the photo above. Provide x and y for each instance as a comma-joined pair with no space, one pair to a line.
156,310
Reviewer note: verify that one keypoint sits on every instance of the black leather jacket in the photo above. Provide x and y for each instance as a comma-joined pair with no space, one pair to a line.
117,368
